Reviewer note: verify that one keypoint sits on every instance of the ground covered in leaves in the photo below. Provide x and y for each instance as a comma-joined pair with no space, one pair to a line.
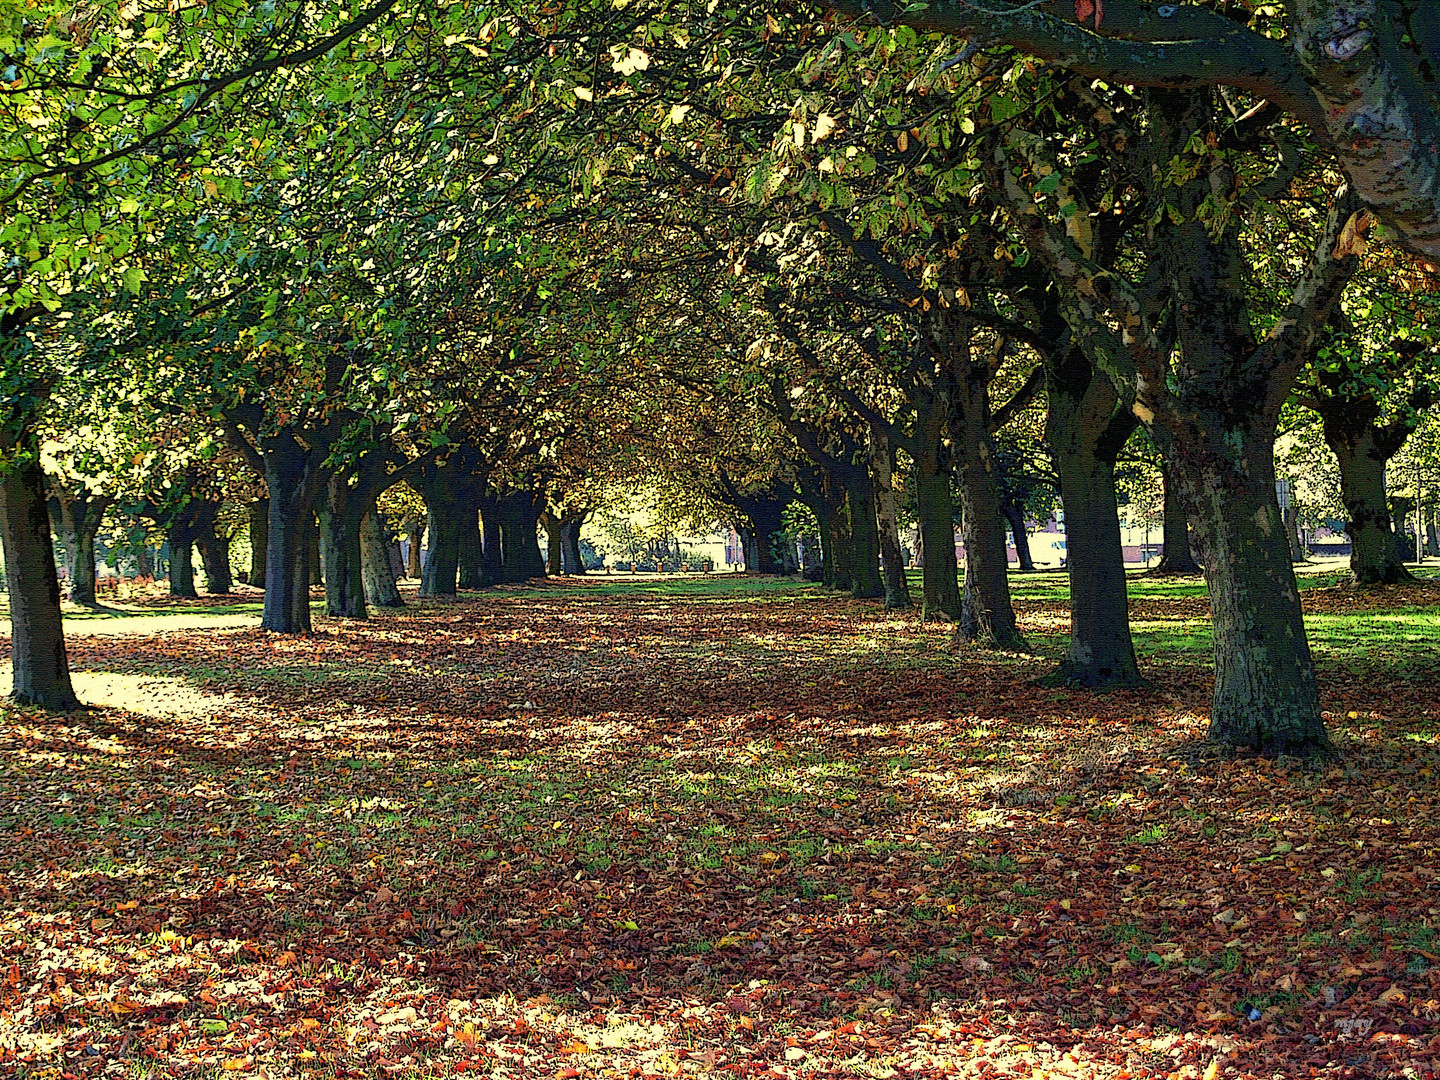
716,827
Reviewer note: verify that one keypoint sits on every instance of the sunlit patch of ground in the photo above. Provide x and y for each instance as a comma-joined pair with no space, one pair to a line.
784,834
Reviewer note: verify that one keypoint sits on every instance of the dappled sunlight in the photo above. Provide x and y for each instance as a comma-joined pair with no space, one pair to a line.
802,836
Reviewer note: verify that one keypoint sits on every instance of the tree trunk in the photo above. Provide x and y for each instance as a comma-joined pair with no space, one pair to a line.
215,557
292,481
1432,541
987,616
1015,518
471,555
570,555
1176,556
376,570
1374,558
1265,692
865,580
1086,427
145,563
882,473
519,527
492,542
341,511
259,540
939,572
76,517
442,558
412,563
37,637
182,561
314,558
554,545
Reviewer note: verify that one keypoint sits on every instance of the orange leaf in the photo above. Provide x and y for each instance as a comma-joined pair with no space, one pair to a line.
579,1046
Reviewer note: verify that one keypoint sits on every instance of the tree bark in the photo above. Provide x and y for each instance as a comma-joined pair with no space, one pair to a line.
571,557
342,509
492,541
412,561
865,580
76,516
442,558
1265,692
293,478
519,515
1176,556
471,556
1015,518
376,570
554,544
1086,425
37,637
181,539
1374,558
259,512
215,558
987,616
939,571
892,560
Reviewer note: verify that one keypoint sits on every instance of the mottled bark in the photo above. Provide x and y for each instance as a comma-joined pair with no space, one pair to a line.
417,543
554,546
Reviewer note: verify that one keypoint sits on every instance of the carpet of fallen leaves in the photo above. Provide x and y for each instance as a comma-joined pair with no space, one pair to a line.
582,833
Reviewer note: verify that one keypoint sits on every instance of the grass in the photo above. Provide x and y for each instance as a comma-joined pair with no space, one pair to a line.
694,790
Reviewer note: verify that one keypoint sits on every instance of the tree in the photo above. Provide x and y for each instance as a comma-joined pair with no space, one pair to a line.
1359,75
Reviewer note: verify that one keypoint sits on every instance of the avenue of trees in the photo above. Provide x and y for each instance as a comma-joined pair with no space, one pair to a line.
331,275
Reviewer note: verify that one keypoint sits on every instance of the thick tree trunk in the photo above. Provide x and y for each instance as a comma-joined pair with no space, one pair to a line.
1432,540
215,558
472,546
892,560
1374,558
412,562
377,573
1015,518
1086,426
292,484
554,544
519,527
314,557
1176,556
182,561
1265,692
987,616
76,518
145,563
749,549
939,572
839,554
492,541
865,580
259,540
571,558
37,637
341,510
442,558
